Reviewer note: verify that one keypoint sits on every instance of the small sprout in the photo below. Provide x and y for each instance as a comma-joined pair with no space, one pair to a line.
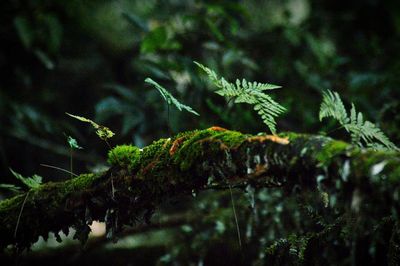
73,144
103,132
32,182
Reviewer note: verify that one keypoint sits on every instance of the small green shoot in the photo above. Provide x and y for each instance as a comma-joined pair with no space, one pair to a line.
103,132
73,144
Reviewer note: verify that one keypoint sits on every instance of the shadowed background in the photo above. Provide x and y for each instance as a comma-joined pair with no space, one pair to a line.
91,58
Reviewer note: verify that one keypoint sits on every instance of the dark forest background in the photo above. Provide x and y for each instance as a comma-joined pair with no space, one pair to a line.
91,58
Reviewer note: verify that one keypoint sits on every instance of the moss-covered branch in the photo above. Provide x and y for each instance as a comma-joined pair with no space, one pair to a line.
140,180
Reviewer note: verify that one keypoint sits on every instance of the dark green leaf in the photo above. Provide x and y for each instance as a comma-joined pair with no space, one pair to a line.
32,182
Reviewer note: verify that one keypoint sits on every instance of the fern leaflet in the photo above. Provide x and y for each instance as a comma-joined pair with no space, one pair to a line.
251,93
361,131
31,182
103,132
169,98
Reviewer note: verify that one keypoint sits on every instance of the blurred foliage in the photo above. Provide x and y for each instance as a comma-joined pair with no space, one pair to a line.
92,57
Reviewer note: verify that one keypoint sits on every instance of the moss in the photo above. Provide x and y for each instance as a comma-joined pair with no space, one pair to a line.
10,203
126,156
154,150
79,183
232,139
152,157
331,149
193,149
291,135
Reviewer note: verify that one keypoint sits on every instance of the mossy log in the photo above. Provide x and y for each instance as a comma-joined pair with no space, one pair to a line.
139,180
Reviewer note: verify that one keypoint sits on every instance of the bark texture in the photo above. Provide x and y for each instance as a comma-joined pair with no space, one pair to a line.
139,180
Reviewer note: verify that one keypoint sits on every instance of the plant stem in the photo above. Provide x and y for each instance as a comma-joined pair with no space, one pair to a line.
70,159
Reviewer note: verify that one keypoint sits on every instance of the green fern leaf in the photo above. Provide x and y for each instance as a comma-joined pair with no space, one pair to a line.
32,182
103,132
253,93
332,106
361,131
169,98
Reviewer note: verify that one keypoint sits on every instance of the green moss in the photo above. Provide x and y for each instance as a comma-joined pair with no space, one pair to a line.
126,156
79,183
291,135
10,203
153,157
192,148
231,138
154,150
331,149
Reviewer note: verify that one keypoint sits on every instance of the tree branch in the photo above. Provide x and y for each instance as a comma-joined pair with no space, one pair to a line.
190,161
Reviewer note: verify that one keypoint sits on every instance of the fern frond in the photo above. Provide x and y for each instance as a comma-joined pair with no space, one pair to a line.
211,74
31,182
332,106
103,132
169,98
251,93
361,131
370,131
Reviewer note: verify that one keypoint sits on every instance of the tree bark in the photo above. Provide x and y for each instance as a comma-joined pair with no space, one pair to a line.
139,181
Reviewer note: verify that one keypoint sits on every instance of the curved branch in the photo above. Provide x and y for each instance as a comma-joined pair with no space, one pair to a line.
191,161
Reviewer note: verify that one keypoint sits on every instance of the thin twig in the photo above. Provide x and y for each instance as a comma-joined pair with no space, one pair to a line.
236,219
58,168
20,213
